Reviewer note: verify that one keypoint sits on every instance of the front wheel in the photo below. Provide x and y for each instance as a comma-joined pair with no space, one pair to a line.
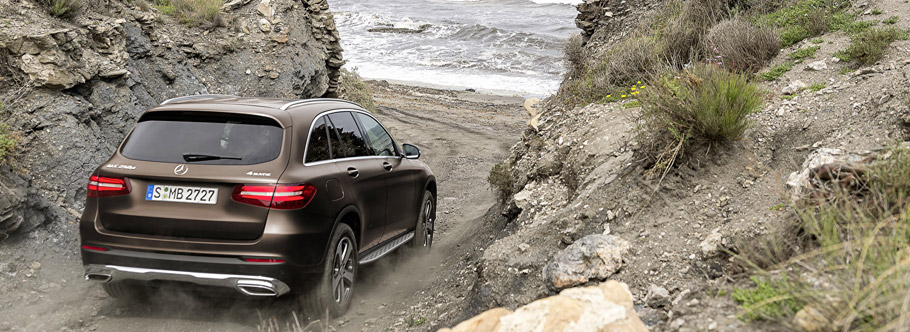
426,223
335,288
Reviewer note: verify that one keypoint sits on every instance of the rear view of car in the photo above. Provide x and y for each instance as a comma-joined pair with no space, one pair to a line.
263,196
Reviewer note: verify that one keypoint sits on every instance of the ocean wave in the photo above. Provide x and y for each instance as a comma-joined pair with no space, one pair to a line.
563,2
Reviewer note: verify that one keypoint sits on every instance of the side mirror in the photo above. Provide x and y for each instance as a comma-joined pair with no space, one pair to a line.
410,151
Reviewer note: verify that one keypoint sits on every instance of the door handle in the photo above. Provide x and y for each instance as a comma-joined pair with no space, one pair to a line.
353,172
387,166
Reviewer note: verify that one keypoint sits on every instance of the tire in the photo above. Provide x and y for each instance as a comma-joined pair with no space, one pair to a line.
328,295
426,224
123,291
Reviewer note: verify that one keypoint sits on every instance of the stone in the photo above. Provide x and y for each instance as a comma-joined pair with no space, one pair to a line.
651,317
34,265
602,308
809,319
807,180
265,8
817,65
676,324
521,199
114,73
658,297
794,87
593,257
264,25
711,244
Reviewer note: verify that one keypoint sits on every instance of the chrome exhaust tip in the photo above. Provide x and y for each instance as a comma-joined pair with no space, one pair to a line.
98,277
256,288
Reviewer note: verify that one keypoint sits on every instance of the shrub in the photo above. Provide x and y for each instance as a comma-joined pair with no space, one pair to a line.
688,23
856,273
741,45
500,180
704,104
891,20
807,18
575,56
624,65
870,45
354,89
815,87
769,299
62,8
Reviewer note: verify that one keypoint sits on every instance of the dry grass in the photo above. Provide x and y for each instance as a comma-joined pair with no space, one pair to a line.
62,8
856,272
500,179
741,45
194,13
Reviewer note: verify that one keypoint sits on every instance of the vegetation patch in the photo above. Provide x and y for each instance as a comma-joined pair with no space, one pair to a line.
353,88
62,8
777,71
703,104
8,142
500,180
739,45
815,87
768,299
803,53
854,270
869,46
891,20
193,13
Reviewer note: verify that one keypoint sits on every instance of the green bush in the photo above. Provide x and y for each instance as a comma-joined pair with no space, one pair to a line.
803,19
354,89
704,104
62,8
769,299
869,46
891,20
500,179
815,87
741,45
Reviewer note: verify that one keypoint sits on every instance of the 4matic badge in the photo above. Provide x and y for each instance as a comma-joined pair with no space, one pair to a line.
118,166
258,174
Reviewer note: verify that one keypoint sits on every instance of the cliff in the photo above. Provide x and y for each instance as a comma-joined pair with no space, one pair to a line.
72,86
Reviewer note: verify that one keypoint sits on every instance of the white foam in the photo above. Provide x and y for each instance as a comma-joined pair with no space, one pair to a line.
565,2
461,79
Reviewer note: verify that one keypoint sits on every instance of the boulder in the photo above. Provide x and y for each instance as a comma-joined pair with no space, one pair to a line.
607,307
794,87
817,65
824,166
594,257
658,297
711,244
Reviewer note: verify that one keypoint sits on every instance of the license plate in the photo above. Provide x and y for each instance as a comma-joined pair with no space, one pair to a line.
181,194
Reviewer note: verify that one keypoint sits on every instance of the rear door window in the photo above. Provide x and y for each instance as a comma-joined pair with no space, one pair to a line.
318,148
378,138
204,138
352,142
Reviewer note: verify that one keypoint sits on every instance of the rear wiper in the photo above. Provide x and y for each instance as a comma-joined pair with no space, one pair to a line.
204,157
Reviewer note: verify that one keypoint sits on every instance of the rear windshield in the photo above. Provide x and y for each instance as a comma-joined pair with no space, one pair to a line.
204,138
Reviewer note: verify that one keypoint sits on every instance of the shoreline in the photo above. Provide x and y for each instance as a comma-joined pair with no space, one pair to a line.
455,88
383,88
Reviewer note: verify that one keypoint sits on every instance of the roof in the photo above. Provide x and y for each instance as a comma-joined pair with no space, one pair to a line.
279,109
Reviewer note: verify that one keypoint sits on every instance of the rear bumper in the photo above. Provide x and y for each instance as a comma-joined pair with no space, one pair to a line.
246,284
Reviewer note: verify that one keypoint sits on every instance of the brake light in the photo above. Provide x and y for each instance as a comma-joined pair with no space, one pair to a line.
282,196
263,260
105,186
94,248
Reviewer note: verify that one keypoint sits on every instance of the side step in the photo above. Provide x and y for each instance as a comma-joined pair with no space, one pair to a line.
386,248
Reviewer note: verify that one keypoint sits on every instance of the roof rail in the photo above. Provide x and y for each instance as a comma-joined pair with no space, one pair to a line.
193,97
285,107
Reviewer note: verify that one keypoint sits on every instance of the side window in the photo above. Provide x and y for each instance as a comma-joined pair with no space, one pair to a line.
318,149
352,142
379,139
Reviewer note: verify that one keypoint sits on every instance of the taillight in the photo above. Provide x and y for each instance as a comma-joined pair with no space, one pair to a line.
282,196
263,260
105,186
94,248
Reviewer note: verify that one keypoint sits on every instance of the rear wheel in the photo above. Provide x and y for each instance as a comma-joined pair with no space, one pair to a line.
426,223
123,291
335,288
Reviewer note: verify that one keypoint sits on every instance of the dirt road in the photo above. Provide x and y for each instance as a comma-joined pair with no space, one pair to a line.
461,136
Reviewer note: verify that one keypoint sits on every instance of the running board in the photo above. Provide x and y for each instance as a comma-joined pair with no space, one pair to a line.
386,248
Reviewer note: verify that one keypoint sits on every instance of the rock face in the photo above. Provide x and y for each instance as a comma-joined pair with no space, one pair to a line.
607,307
72,89
594,257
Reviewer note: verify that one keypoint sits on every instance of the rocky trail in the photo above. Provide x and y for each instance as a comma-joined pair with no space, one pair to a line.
461,136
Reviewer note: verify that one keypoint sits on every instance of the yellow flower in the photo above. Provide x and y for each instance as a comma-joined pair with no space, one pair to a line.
608,96
639,82
633,88
641,87
623,96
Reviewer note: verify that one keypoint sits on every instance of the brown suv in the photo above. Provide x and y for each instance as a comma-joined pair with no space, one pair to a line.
264,196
